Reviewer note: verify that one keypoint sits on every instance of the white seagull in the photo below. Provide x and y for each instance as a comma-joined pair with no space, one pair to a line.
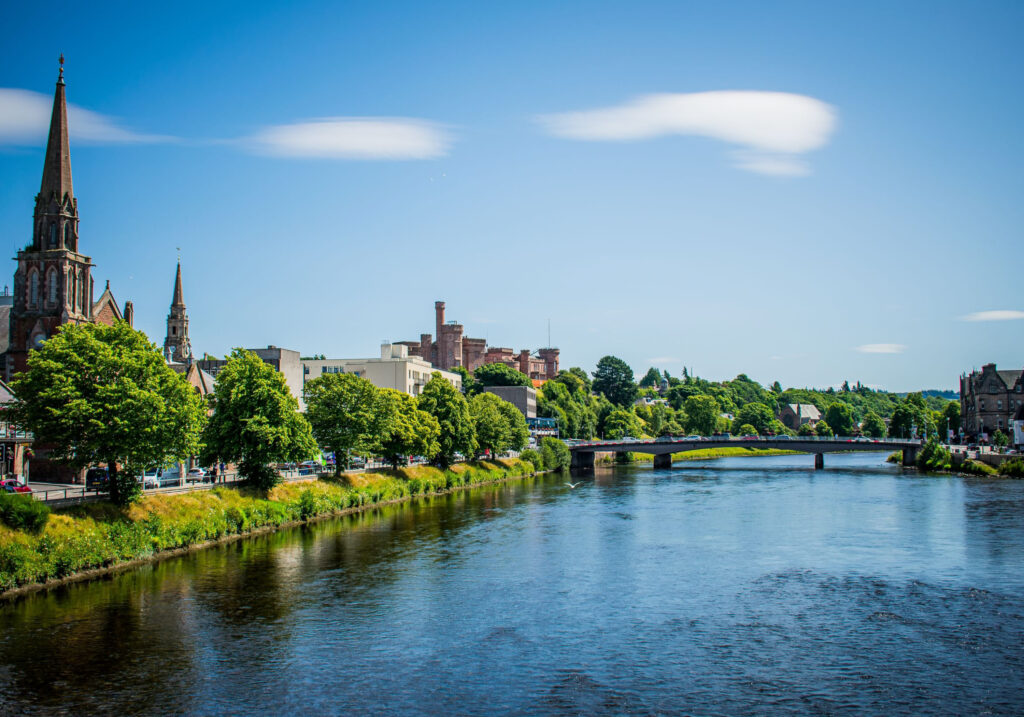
573,485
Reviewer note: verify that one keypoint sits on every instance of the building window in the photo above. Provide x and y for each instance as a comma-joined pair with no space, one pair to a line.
51,286
67,235
33,288
53,236
999,405
83,289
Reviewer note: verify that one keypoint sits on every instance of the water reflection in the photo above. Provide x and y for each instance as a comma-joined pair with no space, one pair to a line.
735,587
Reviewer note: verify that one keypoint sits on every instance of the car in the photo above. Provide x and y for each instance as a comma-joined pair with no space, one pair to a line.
664,439
694,438
9,485
749,437
782,437
724,436
195,475
149,481
357,462
96,478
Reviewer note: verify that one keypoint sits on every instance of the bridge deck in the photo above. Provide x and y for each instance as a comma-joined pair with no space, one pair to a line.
799,445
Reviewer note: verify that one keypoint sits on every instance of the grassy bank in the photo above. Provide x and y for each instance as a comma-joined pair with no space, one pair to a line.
703,454
95,536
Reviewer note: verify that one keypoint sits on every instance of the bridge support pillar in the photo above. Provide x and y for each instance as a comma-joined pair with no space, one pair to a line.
819,461
582,462
910,456
663,461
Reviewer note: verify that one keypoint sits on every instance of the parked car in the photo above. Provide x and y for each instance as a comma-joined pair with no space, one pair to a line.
96,478
664,439
749,437
149,481
195,475
9,485
783,437
724,436
694,438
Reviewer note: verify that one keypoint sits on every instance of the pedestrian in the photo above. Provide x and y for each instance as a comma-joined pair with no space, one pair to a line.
213,474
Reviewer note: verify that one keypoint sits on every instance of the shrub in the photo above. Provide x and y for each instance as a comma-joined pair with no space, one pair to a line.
977,468
532,457
1014,468
23,512
555,454
934,457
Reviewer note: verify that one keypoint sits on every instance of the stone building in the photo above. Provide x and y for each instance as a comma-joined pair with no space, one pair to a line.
53,283
451,349
794,415
177,345
989,400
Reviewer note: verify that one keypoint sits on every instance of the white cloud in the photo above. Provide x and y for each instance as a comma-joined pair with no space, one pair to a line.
354,138
999,315
882,348
773,127
25,120
662,360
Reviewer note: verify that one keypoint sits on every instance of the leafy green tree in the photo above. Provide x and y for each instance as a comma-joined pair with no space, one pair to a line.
342,410
614,380
701,414
256,421
555,454
776,388
403,429
492,430
470,386
1000,439
498,374
651,379
440,399
934,456
951,413
755,414
104,394
805,429
910,418
621,423
581,375
518,431
873,425
823,429
746,430
840,417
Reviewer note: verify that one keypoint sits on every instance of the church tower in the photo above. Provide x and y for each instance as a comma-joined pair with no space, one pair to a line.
53,284
177,346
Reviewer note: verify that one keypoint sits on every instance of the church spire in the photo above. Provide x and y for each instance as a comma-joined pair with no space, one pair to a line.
177,346
178,300
57,166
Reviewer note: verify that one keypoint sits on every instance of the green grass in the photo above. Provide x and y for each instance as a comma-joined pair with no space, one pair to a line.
100,535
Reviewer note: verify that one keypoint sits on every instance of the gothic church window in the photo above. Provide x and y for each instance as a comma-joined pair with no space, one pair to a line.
83,288
33,288
73,294
67,235
53,236
51,286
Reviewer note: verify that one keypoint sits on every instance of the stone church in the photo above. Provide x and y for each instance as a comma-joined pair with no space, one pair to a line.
53,284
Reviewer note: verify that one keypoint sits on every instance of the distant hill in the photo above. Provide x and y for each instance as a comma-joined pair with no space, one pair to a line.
948,395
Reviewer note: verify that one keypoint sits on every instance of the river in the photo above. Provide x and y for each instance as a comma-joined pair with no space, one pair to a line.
736,586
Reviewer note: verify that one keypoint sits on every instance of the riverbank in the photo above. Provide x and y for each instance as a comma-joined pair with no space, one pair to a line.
90,540
704,454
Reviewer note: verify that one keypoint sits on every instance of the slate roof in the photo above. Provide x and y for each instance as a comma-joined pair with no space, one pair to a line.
806,410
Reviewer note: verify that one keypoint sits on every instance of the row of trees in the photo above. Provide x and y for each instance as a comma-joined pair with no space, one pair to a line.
103,394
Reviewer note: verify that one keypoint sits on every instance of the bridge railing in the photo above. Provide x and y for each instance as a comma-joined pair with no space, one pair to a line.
741,441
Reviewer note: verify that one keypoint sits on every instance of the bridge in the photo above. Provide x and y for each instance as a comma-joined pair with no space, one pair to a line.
662,448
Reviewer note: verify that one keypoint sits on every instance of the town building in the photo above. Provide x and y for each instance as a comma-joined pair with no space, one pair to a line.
14,443
522,397
53,283
394,369
448,348
989,400
285,361
794,415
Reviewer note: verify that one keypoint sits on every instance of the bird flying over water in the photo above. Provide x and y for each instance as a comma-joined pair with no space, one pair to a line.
573,485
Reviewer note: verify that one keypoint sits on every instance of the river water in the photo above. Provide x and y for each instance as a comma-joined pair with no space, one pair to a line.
737,586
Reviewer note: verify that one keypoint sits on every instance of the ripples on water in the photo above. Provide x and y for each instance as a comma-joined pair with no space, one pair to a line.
742,586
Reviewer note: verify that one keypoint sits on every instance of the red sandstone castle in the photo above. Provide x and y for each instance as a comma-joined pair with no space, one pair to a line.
452,349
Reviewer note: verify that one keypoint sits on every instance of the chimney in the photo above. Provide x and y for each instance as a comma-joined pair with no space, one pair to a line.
524,361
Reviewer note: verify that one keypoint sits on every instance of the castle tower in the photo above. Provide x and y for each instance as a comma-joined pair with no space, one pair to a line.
53,282
176,344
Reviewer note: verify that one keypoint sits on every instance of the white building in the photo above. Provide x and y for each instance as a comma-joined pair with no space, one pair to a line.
394,369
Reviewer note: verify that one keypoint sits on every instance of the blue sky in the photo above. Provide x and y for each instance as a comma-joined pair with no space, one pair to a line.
329,170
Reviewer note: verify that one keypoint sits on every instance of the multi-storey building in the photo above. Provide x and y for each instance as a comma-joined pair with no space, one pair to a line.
394,369
990,399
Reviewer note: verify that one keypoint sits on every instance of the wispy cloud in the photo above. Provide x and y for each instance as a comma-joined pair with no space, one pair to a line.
353,138
999,315
662,360
25,119
882,348
774,128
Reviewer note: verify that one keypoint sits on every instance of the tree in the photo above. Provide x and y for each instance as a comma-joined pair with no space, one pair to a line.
840,417
342,410
104,394
614,380
470,386
440,399
701,414
776,388
806,429
555,454
952,415
403,429
498,374
651,379
873,425
755,414
256,420
518,431
1000,439
492,431
823,429
746,430
910,418
621,423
